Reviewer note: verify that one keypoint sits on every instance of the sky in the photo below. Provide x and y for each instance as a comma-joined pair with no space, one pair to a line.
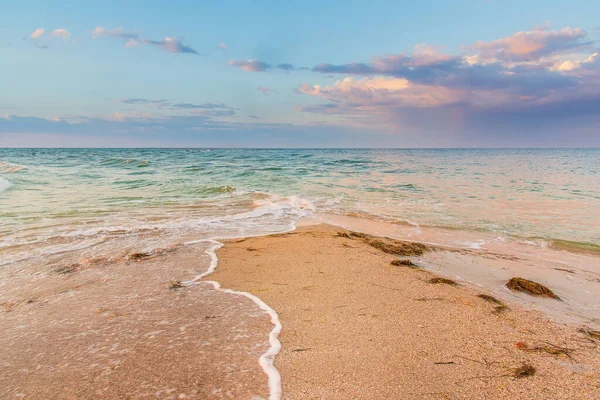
445,73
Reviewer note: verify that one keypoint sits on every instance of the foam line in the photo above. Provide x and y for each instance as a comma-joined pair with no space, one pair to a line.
267,359
4,184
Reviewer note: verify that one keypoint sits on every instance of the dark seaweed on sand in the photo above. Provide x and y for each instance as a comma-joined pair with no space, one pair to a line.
388,246
444,281
404,263
590,332
530,287
523,371
500,306
67,269
173,285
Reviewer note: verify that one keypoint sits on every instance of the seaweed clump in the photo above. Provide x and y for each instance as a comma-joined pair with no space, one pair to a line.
67,269
590,332
530,287
444,281
404,263
174,285
523,371
386,245
500,306
139,256
399,248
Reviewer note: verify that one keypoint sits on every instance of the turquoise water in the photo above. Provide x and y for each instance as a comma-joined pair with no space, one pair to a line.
56,200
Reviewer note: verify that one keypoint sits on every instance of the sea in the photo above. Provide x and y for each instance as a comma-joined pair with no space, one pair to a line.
56,200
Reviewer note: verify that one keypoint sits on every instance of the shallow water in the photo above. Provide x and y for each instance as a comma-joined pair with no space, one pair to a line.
545,196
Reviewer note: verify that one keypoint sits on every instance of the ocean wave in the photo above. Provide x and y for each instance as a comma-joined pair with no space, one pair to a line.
8,167
4,184
264,215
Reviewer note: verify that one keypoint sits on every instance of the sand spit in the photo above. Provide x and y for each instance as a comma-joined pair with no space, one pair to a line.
356,326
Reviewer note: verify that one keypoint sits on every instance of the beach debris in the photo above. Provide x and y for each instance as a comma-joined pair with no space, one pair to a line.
139,256
404,263
352,235
500,309
389,246
300,350
430,299
590,332
174,285
530,287
444,281
545,348
444,362
489,299
399,248
500,306
523,371
67,269
251,249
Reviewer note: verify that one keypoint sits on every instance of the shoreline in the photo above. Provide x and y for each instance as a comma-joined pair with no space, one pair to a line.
575,276
266,359
283,269
393,311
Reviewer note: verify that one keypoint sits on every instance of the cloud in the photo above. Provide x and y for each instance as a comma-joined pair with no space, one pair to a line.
289,67
538,79
143,101
132,43
533,45
37,33
172,45
118,33
352,68
261,66
206,109
222,46
62,32
250,65
131,38
202,131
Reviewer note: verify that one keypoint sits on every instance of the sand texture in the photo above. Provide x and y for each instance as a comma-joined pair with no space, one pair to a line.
357,327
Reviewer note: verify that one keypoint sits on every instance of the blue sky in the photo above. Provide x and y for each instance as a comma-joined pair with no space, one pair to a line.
452,73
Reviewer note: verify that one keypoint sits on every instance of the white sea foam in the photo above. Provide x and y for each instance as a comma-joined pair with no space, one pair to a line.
267,359
276,212
4,184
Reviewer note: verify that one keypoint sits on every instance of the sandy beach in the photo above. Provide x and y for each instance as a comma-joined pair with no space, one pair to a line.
355,326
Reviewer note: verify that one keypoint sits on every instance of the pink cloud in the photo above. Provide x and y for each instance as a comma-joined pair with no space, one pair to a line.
37,33
533,45
62,32
249,65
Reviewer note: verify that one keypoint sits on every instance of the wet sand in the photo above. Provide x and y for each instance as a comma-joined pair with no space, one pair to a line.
115,330
355,326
